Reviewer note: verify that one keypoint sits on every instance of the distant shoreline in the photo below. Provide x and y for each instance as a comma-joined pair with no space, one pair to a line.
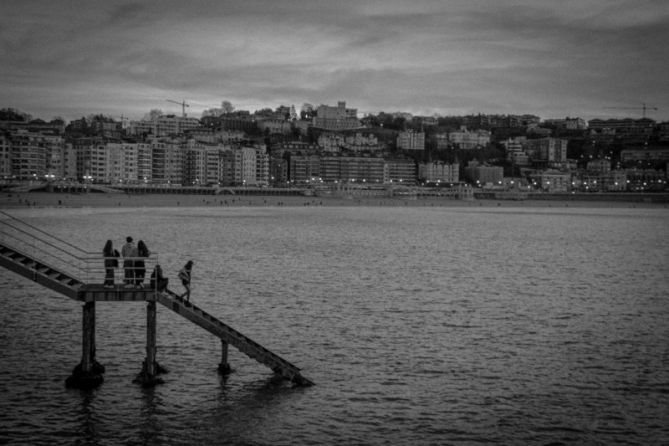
9,200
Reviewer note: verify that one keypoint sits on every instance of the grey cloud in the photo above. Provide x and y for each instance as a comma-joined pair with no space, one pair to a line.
464,55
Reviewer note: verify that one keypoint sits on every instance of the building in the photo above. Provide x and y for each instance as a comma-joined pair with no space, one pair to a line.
401,170
362,143
645,180
5,153
331,142
467,140
352,169
552,181
411,140
29,155
336,118
262,166
304,169
242,166
644,154
120,163
599,165
335,142
628,130
274,125
144,162
567,123
166,162
194,166
551,150
484,175
438,172
91,159
166,125
278,171
515,151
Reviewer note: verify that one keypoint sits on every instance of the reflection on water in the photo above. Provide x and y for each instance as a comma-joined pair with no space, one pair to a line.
419,326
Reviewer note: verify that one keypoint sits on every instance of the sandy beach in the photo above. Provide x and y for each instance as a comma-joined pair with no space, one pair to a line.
9,200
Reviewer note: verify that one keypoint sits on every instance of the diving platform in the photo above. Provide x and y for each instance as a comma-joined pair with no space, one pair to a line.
43,260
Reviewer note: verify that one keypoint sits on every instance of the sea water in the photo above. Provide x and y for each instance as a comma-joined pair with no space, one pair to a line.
455,325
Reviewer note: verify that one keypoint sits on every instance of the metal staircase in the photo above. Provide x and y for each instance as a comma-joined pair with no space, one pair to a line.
228,334
78,274
39,272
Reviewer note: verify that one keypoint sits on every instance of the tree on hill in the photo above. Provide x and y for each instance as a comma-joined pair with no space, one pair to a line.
153,115
11,114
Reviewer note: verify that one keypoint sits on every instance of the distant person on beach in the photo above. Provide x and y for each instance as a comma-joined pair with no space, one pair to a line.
129,252
140,268
185,275
158,281
111,262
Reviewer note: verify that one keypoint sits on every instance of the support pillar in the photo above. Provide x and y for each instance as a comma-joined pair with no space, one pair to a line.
150,368
88,373
224,367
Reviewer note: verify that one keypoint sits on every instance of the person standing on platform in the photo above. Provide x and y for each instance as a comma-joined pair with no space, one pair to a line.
140,267
158,282
129,252
111,262
185,276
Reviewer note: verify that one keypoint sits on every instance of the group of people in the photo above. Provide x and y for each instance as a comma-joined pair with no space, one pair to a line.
134,268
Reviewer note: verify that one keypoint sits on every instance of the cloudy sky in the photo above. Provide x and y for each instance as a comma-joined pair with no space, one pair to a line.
551,58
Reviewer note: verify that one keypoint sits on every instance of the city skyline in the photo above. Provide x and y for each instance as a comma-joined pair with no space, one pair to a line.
574,58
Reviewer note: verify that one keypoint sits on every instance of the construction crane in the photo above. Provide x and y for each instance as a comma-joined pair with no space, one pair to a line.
183,105
643,107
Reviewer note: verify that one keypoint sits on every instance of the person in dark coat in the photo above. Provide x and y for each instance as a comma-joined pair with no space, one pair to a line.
129,252
158,282
111,262
185,276
140,268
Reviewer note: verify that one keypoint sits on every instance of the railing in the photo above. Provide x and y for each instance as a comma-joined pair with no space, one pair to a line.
85,266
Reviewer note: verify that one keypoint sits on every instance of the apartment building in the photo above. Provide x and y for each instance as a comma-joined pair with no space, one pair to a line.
120,163
567,123
274,125
163,126
362,143
352,169
28,155
552,181
411,140
303,168
400,170
467,140
336,118
552,150
5,153
482,175
644,154
599,165
239,167
439,172
166,163
515,151
91,159
202,163
262,166
631,130
331,142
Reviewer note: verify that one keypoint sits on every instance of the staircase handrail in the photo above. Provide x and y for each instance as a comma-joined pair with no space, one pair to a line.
65,242
85,266
67,257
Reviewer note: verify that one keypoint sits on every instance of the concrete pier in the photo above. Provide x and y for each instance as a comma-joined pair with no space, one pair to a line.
88,373
224,368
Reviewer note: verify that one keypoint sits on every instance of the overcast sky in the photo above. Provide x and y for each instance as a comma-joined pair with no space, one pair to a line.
546,57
